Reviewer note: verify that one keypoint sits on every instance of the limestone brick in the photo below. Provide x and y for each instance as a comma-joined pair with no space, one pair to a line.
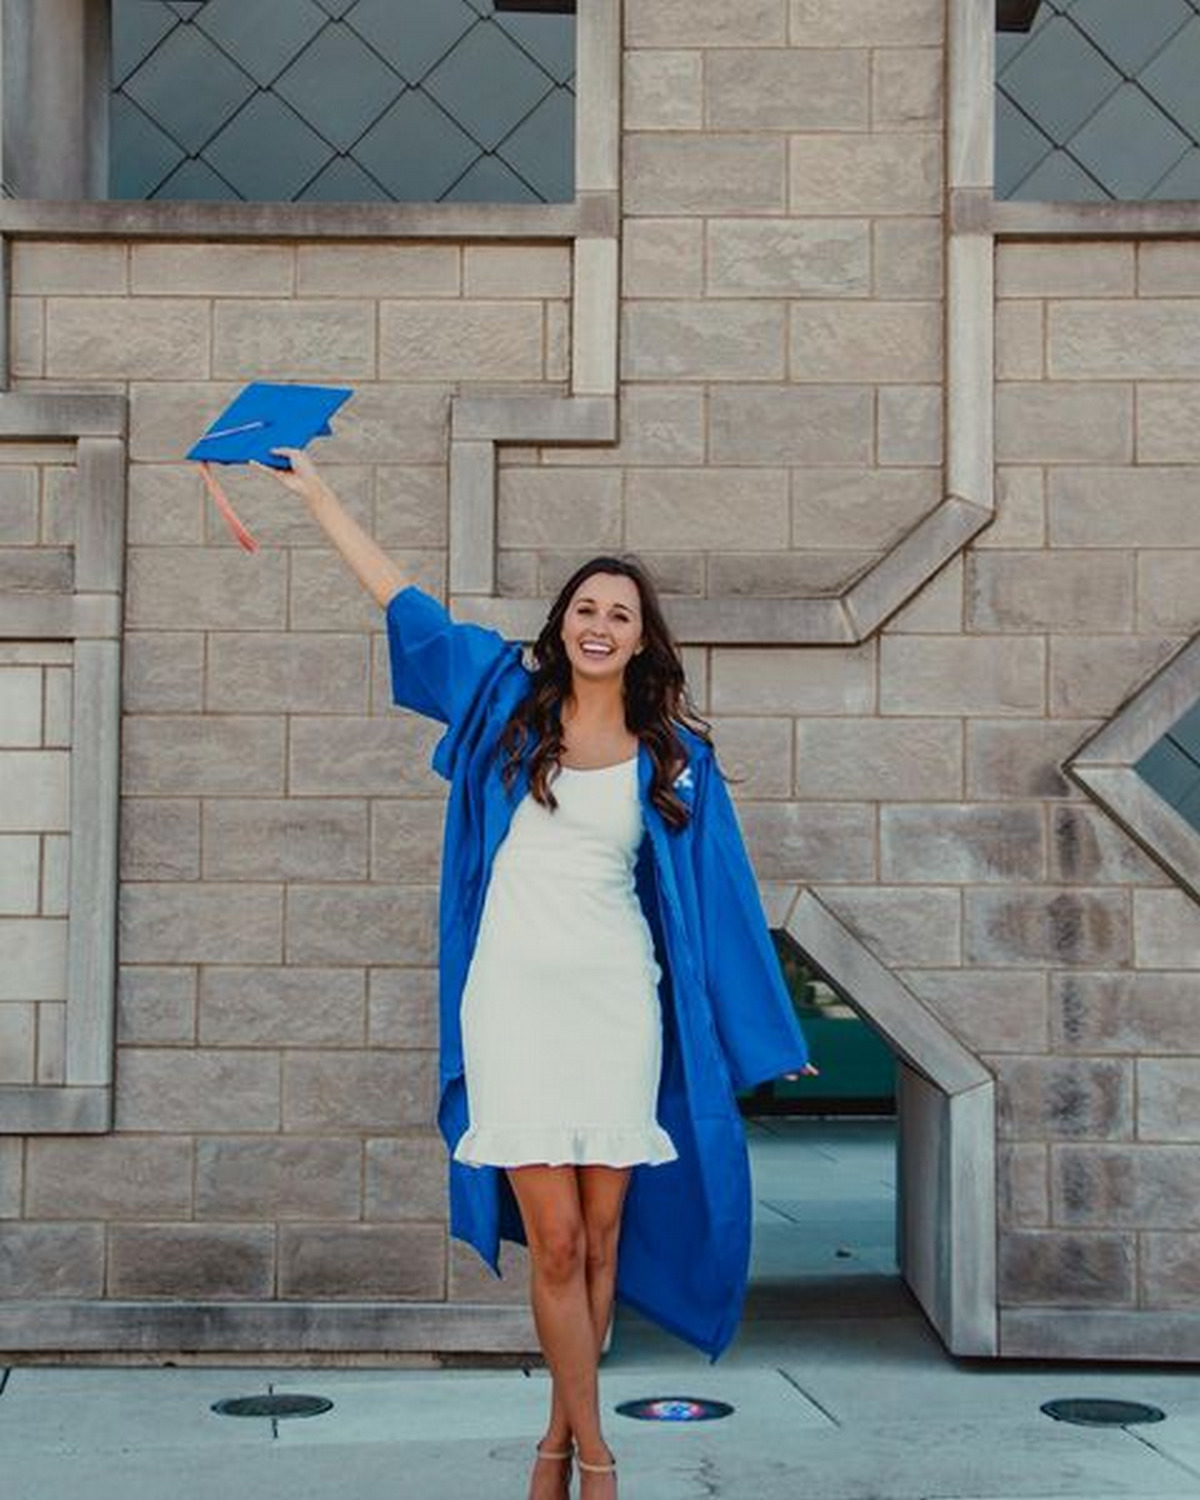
402,1008
788,257
723,509
1090,675
806,88
990,1010
1046,591
937,608
930,674
293,1177
832,507
961,843
674,572
392,423
1031,926
406,840
51,1260
18,1037
875,341
33,966
35,570
471,1281
330,924
906,88
186,755
681,340
540,508
1126,1012
1168,418
102,338
324,595
1168,1105
156,1005
334,756
160,838
909,257
704,23
208,270
191,1261
18,507
1168,268
1064,422
664,90
1170,1265
659,425
393,1261
1166,929
895,173
791,679
59,708
27,336
268,673
812,841
783,575
1023,1185
281,1007
163,416
460,341
410,507
34,790
21,706
165,505
704,173
902,925
180,1089
406,1177
1045,269
192,923
1087,847
1020,519
1126,1187
809,424
355,1091
1074,1098
20,856
56,874
11,1177
910,424
69,268
362,270
1168,584
1020,340
513,271
116,1176
202,588
292,340
878,759
866,23
1047,1269
1151,340
756,751
663,258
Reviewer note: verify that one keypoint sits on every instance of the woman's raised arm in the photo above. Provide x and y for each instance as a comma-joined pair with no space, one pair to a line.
369,563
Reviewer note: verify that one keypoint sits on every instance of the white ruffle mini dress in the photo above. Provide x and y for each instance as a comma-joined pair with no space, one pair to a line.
561,1023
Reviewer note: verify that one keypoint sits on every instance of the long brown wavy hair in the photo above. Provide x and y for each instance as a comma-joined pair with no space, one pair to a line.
656,696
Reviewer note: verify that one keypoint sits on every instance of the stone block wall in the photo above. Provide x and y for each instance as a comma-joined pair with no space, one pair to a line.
781,394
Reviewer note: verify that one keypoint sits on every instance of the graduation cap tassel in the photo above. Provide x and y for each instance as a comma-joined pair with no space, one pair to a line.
221,500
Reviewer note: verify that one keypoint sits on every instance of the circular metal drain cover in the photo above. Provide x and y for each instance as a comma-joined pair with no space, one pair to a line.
675,1409
1093,1411
272,1406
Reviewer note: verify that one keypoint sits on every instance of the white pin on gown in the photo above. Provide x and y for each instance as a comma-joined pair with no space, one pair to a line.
561,1024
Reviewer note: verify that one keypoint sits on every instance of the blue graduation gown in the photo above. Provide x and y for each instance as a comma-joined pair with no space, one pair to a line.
728,1021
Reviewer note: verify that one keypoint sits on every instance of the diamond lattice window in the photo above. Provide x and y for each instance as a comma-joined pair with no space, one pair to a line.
341,101
1100,100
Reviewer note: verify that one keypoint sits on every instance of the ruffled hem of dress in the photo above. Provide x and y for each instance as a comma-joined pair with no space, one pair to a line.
569,1145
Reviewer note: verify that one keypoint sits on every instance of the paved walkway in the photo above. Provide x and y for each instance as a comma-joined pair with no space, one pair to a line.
841,1393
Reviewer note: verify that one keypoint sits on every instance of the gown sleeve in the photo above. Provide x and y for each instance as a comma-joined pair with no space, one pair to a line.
751,1006
438,664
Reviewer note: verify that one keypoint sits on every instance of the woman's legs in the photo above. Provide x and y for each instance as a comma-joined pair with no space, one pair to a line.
572,1221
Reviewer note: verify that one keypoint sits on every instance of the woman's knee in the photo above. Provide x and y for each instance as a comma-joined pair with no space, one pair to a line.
558,1249
601,1243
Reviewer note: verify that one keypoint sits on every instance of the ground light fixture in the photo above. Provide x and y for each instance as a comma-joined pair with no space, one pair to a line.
675,1409
274,1404
1096,1411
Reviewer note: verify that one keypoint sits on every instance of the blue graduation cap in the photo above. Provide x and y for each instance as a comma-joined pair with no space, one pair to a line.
260,418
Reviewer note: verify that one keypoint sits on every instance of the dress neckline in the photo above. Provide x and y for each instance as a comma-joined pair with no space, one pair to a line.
589,770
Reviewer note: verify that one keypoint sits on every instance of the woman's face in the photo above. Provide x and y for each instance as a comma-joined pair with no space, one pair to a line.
602,628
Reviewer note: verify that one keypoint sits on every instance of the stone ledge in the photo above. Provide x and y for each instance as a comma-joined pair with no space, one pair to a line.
1067,1333
37,1109
973,210
32,415
158,1328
